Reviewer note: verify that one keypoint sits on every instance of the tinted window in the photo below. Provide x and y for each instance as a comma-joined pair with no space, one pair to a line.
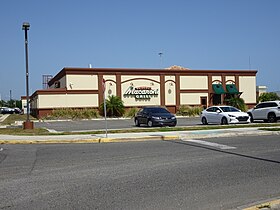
229,109
272,104
211,109
259,106
157,110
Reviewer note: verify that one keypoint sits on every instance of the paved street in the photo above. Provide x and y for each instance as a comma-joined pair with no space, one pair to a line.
220,173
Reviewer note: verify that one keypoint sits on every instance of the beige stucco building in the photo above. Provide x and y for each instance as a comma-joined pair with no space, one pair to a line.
82,88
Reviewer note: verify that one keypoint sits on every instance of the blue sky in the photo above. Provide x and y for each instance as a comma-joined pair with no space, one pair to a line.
197,34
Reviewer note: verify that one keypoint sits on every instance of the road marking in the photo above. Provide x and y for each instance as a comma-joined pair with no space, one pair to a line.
211,144
1,149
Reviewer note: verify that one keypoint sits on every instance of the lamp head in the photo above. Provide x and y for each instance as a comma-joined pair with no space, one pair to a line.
25,26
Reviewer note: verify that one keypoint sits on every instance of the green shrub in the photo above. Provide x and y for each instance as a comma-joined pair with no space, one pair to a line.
189,111
114,107
69,113
238,103
131,112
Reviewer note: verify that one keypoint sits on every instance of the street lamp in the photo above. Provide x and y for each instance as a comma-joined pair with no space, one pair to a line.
28,124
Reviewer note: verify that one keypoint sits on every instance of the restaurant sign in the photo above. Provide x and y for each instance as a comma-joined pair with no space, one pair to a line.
141,92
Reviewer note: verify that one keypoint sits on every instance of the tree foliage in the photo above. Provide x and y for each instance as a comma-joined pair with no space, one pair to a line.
238,103
268,97
114,107
11,103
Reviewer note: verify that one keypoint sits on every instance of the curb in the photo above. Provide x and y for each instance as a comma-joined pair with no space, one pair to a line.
272,205
143,137
97,140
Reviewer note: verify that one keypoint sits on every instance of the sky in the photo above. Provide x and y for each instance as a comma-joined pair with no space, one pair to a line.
196,34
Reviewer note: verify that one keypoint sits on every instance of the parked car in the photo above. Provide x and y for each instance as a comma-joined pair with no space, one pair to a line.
17,111
223,115
6,110
268,111
155,116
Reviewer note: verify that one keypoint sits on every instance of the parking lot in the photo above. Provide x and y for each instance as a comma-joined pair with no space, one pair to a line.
100,124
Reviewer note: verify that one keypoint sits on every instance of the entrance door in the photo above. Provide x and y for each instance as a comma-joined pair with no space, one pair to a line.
217,99
203,102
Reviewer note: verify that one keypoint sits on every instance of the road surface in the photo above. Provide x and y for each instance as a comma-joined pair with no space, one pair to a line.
220,173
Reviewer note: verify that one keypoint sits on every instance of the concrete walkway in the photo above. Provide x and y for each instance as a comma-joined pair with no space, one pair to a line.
129,137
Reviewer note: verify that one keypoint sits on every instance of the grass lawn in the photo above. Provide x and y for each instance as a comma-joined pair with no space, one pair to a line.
15,117
40,131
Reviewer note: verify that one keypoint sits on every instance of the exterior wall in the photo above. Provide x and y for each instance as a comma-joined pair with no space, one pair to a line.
216,79
62,82
193,82
82,82
247,85
170,90
110,84
191,98
67,100
230,80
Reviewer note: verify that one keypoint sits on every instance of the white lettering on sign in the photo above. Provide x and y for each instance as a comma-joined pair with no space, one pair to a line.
141,92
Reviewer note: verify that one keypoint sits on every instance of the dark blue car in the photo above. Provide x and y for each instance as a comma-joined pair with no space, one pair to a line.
155,116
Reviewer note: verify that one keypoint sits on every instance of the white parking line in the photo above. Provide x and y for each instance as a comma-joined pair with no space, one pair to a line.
211,144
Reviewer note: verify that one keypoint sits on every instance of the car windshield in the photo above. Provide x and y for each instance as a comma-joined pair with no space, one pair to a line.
229,109
157,110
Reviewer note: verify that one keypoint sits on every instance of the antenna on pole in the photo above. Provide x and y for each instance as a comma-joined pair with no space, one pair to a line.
160,57
249,62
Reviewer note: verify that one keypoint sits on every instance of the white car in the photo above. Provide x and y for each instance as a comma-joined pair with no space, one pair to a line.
223,115
268,111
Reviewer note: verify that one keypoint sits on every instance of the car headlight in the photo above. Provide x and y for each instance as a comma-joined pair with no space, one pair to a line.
156,118
173,118
231,115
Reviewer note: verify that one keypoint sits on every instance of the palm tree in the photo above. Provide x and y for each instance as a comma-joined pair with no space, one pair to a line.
114,107
238,103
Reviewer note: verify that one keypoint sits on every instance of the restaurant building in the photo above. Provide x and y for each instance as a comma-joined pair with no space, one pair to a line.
172,88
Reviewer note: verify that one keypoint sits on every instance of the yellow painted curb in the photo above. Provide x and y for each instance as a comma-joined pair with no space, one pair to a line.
136,139
98,140
266,205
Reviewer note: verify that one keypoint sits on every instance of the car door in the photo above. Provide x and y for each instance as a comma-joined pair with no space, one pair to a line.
217,116
257,111
207,114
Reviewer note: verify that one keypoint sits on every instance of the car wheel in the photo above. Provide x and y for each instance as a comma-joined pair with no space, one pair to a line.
251,118
150,123
271,118
204,121
224,121
137,122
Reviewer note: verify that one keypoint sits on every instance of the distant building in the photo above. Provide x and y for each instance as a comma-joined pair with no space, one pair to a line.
24,104
173,87
261,89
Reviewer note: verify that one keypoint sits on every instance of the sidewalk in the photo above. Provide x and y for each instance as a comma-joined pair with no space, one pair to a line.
129,137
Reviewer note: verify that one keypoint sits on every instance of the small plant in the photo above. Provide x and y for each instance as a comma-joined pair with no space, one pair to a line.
68,113
189,111
238,103
131,112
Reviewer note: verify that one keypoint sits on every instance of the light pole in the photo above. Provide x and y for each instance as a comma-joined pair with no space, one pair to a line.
28,124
